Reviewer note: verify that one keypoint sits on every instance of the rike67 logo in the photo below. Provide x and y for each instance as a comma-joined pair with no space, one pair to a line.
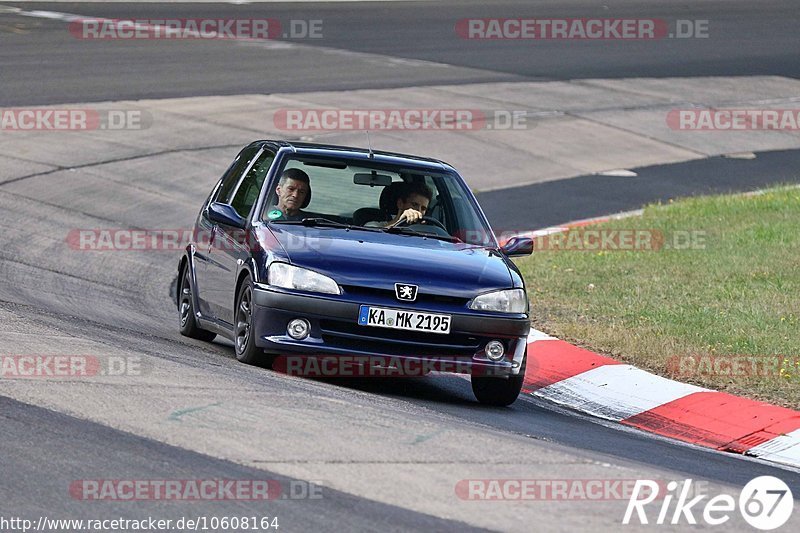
765,503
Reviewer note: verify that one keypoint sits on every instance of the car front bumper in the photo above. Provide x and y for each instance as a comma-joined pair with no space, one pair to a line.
335,331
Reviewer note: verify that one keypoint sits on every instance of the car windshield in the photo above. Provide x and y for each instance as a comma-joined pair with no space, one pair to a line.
366,195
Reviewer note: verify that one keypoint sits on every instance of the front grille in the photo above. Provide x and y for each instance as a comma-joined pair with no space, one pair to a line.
396,342
390,295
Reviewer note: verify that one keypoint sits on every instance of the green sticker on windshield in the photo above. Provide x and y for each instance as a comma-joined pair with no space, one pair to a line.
275,213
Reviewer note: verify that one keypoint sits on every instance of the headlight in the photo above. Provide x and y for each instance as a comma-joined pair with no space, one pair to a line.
292,277
507,301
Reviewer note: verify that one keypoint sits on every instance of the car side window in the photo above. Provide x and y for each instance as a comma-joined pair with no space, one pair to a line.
231,179
249,187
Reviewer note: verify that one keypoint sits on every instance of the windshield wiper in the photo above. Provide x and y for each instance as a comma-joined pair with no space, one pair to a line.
313,221
321,222
406,231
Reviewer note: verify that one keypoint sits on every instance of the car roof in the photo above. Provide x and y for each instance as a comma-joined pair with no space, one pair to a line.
321,149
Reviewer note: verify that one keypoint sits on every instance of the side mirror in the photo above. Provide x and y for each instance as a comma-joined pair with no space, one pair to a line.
517,246
225,214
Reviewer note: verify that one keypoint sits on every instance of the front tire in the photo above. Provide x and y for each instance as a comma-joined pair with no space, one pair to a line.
244,336
499,392
186,312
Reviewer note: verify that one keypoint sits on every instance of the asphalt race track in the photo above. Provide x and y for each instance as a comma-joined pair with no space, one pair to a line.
748,39
542,205
379,454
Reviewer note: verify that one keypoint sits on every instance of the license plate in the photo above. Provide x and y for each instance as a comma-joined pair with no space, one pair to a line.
400,319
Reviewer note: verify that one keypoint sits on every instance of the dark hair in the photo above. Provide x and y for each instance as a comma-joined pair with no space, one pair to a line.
416,187
294,174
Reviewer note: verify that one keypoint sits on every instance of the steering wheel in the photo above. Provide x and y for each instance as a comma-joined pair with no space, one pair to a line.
430,220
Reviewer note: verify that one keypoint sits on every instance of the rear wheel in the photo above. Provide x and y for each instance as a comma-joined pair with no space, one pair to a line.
188,323
499,391
244,336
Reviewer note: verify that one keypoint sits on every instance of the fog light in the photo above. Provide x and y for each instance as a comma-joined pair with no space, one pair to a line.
298,329
495,350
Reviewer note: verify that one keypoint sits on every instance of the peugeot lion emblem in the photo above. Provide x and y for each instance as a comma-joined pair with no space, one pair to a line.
405,292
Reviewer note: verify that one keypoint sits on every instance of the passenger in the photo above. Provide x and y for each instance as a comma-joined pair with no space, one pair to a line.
294,193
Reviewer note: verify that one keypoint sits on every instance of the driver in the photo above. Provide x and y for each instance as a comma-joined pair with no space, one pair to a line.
293,190
412,204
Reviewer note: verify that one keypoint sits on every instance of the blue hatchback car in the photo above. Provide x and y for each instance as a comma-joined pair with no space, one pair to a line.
334,251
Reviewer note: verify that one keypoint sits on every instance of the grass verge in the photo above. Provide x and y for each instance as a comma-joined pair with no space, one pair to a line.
703,290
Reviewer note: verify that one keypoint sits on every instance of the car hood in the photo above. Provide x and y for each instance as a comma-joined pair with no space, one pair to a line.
376,259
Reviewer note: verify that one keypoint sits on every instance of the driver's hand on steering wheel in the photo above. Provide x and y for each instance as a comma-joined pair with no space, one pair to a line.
410,215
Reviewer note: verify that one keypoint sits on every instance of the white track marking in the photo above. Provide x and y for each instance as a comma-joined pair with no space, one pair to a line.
615,392
536,335
783,449
618,173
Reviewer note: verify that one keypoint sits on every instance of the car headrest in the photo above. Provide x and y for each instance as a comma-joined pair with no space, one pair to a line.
367,214
388,200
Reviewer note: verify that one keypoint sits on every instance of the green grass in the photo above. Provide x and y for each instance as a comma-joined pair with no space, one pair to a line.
734,293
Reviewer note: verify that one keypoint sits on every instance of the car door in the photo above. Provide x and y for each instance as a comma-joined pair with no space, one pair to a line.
206,229
230,246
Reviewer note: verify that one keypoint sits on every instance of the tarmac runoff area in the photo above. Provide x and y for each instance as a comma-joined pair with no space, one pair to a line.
498,135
